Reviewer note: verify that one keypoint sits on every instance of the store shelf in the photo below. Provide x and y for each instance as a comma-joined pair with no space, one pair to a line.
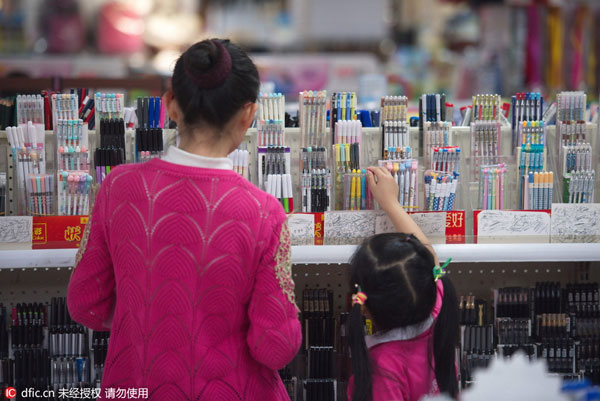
469,253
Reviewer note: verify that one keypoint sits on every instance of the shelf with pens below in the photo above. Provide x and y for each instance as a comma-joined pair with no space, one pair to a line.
340,254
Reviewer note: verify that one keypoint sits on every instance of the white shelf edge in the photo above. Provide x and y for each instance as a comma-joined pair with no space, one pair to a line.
466,253
460,253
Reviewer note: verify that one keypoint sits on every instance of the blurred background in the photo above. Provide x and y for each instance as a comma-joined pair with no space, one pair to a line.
374,47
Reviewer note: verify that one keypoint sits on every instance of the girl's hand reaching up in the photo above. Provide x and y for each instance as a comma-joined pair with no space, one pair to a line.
385,189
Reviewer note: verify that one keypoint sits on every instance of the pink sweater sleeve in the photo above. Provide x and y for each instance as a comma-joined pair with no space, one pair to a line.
91,293
275,334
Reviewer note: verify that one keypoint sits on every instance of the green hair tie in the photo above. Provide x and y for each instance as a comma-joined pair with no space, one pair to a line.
438,271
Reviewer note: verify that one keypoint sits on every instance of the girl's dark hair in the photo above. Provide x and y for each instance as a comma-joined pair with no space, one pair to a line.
395,271
212,80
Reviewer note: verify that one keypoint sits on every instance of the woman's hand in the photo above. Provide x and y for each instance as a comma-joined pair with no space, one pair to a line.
385,189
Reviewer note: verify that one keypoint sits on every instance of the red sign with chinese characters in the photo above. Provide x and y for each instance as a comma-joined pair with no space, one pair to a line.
319,228
57,232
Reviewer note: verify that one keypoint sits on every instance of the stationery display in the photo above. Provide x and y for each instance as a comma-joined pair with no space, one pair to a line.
394,127
273,160
526,107
446,159
240,159
40,193
28,153
492,187
537,191
432,107
532,133
440,191
579,187
405,173
149,133
485,140
356,195
394,108
343,108
74,189
313,118
486,108
571,106
30,108
270,133
64,107
280,186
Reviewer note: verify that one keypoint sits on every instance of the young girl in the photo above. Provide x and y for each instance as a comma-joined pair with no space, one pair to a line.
398,284
187,263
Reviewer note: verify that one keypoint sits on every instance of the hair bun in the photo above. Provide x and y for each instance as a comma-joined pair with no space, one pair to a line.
207,64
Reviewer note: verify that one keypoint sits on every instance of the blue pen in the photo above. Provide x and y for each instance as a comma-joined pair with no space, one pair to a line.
514,115
151,112
157,112
363,192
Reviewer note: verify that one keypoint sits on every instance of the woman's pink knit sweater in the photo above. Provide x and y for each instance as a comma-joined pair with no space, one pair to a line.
189,269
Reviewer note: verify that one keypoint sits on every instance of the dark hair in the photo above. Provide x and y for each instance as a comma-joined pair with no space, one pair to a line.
212,80
395,271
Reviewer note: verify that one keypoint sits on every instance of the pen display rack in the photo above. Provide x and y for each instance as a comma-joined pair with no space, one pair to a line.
241,162
65,107
394,128
526,107
440,191
485,143
74,188
30,108
27,143
405,172
343,108
486,108
313,118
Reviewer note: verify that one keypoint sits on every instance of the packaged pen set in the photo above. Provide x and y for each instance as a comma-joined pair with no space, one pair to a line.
320,328
436,136
274,174
30,108
492,184
270,119
343,108
577,173
315,174
348,175
68,348
432,110
313,118
526,107
111,150
149,133
440,190
395,128
240,160
405,172
274,161
35,187
315,181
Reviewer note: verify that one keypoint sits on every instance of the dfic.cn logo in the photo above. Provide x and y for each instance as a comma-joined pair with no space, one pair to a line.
10,393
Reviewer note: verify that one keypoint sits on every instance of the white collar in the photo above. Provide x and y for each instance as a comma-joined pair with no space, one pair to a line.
177,156
400,333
